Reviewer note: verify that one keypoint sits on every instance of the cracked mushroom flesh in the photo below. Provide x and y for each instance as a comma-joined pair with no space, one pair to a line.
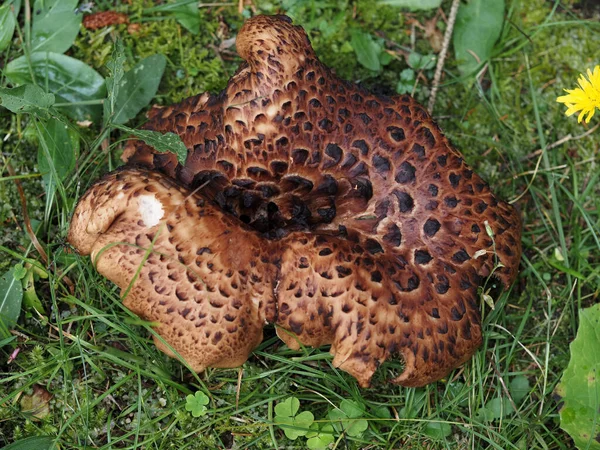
343,217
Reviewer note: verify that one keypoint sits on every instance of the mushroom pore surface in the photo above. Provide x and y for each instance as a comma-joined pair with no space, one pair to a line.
343,217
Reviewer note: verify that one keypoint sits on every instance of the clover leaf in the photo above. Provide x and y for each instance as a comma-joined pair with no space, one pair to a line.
348,418
519,388
437,430
196,404
293,425
319,438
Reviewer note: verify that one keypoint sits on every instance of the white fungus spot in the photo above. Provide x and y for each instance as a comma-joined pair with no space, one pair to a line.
150,209
272,111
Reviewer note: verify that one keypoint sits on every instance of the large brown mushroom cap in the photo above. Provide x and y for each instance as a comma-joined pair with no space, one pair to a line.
369,227
179,262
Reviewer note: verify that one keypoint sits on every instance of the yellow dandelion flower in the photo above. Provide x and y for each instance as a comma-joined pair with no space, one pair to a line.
585,98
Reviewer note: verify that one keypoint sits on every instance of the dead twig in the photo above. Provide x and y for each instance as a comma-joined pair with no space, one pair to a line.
26,219
239,387
504,388
442,56
567,138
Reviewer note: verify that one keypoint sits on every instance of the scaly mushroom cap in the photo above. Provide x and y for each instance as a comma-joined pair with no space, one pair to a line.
180,262
352,218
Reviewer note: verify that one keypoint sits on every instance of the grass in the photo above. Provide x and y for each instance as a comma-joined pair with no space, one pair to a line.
110,387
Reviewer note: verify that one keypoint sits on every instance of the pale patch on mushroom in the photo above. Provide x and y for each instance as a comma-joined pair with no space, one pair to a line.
343,217
150,209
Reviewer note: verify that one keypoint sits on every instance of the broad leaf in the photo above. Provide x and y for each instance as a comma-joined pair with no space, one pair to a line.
296,426
367,49
500,407
293,425
7,24
57,157
168,142
421,62
382,412
579,386
496,408
437,430
196,403
319,438
32,443
352,409
188,15
55,25
26,99
478,26
484,414
115,65
30,297
348,418
70,80
288,408
413,5
519,388
138,87
11,296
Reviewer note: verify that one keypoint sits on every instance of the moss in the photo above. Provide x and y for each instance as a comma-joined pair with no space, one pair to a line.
193,62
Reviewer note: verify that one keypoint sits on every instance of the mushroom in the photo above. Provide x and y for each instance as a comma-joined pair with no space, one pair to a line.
343,217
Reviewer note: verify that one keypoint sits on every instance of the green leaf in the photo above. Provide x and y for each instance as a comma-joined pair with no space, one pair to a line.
484,415
30,297
303,420
188,16
196,403
7,341
404,88
382,412
11,296
26,99
7,25
70,80
115,65
297,426
55,25
478,26
352,409
32,443
293,425
437,430
57,157
421,62
499,407
367,49
319,438
413,5
287,408
137,87
579,386
168,142
385,58
348,418
407,75
519,388
19,271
